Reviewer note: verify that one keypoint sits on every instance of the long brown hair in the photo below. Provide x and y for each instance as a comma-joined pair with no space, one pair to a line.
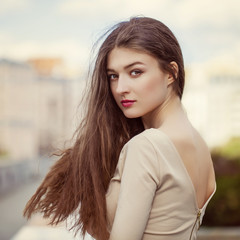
78,181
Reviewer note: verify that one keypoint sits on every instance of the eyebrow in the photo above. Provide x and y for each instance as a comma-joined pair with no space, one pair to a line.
126,67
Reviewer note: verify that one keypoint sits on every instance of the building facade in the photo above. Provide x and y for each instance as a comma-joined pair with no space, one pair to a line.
212,100
36,110
18,112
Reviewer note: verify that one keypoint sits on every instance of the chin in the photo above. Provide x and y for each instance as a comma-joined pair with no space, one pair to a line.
131,115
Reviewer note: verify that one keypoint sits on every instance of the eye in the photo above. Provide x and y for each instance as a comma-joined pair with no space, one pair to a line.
136,72
112,77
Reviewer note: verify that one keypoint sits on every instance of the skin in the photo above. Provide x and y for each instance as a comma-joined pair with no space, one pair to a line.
136,75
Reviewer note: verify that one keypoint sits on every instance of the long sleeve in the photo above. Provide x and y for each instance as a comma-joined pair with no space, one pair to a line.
139,182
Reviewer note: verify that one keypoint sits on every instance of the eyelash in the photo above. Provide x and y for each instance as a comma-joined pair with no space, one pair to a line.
137,73
112,75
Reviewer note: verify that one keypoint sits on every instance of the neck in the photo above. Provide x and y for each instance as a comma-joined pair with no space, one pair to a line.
170,111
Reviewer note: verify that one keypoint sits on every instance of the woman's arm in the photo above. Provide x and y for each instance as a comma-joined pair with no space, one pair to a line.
139,181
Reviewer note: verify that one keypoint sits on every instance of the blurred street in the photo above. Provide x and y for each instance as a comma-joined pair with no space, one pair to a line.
14,227
11,207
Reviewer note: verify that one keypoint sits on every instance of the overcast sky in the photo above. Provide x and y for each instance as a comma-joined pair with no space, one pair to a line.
206,29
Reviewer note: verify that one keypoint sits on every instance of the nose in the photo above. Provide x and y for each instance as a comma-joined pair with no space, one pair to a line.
122,85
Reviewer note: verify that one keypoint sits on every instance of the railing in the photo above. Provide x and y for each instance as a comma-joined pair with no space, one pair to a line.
14,173
219,233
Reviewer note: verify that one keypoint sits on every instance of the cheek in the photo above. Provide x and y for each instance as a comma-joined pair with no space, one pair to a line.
113,91
154,85
154,91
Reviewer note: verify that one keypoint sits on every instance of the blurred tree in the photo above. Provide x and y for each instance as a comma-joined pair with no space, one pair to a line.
224,209
231,150
3,153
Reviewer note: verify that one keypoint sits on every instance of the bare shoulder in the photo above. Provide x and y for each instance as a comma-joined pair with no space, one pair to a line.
187,139
192,148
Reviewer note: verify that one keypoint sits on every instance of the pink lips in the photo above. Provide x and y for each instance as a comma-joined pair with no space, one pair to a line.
127,103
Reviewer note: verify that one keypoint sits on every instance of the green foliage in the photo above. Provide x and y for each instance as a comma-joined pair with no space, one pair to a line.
231,150
3,154
224,208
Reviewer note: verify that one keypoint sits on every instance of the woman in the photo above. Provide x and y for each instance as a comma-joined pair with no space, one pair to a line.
138,169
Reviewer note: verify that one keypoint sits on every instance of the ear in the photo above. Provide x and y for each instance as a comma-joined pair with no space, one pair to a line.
174,67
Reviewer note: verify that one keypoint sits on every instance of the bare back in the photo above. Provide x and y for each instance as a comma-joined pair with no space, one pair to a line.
197,160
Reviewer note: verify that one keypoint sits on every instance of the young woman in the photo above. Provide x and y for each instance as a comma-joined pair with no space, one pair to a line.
138,169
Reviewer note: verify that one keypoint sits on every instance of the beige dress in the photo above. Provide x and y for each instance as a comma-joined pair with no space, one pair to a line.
151,195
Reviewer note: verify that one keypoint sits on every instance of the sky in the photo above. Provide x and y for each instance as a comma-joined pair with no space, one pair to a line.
68,28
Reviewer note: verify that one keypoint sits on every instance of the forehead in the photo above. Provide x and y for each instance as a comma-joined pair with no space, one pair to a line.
121,57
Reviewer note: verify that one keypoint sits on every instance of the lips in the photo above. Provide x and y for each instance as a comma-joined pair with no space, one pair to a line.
127,103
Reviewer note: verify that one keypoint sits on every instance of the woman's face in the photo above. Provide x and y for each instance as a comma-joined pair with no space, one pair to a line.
137,83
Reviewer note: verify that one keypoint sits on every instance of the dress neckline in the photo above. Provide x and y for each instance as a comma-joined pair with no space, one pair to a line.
186,172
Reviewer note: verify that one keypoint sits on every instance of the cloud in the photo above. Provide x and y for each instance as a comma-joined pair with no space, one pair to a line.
217,13
112,11
73,52
200,17
205,28
184,13
230,56
85,8
13,5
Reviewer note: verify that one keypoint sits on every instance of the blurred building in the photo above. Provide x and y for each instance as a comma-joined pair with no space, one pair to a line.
18,111
47,66
212,100
38,104
36,107
224,96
